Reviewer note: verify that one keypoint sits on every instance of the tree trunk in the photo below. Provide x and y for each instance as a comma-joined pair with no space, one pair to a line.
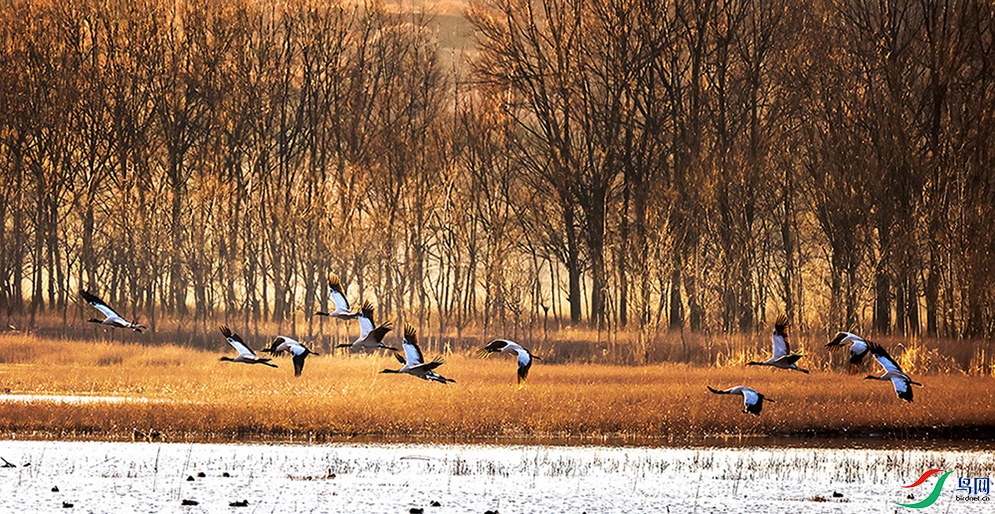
882,302
676,305
573,263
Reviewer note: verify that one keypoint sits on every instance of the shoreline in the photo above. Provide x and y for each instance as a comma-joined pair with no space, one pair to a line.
960,438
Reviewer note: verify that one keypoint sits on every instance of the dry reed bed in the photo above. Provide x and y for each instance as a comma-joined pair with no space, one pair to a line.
563,345
192,396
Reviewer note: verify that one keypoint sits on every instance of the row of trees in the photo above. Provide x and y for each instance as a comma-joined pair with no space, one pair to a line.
686,164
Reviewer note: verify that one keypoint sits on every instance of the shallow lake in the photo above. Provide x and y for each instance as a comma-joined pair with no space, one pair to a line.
373,478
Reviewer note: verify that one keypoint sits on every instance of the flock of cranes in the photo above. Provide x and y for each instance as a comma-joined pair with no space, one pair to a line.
413,362
370,339
753,401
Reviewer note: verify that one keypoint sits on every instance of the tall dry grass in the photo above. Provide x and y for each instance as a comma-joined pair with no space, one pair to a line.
190,395
916,355
559,345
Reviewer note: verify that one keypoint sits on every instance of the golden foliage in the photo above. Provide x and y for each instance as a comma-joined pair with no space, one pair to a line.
180,394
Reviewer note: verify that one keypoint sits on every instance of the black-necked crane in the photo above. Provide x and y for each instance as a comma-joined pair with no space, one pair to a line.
298,352
782,358
413,362
370,337
858,348
892,372
245,354
753,402
279,345
525,357
111,317
337,296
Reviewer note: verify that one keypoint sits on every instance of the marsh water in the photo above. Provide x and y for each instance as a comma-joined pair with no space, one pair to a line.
117,477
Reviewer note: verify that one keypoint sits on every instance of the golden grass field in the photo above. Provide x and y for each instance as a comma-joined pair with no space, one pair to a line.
191,396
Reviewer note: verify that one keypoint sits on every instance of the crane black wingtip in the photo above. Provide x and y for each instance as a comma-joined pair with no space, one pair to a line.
89,297
367,309
837,341
335,283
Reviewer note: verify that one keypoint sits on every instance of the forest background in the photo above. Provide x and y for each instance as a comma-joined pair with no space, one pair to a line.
625,181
